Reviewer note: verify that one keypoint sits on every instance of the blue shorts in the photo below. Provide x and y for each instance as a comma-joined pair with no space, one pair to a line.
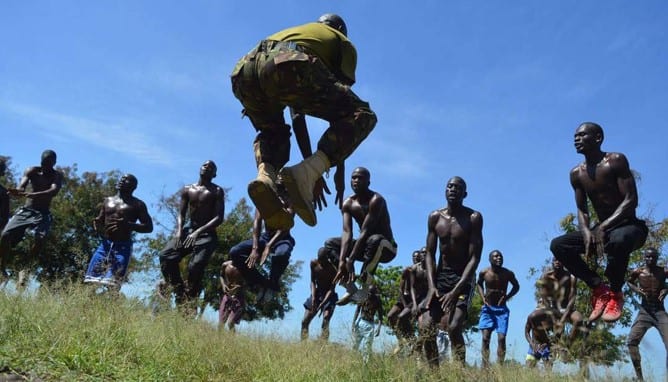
109,262
494,317
543,354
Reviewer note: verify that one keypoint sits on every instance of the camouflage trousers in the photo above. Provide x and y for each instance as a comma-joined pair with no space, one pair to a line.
270,77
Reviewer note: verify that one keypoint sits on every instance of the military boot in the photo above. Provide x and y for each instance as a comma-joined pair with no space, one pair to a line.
262,191
300,179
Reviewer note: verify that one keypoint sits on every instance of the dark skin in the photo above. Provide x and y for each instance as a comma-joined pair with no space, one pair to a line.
606,180
458,231
369,308
45,182
649,281
255,256
203,203
493,282
399,316
322,279
539,325
560,288
122,213
320,188
232,283
492,286
418,282
369,210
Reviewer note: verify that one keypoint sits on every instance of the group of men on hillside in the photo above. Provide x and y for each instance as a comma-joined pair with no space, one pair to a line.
310,68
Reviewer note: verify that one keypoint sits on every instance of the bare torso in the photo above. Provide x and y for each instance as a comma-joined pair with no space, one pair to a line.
454,232
323,275
496,283
358,207
119,214
557,287
370,307
203,203
41,180
600,182
651,281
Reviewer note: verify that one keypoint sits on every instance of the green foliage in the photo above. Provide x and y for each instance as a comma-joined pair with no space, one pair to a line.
71,240
387,279
601,346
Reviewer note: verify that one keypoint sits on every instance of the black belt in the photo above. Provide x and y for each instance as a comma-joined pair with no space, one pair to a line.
270,45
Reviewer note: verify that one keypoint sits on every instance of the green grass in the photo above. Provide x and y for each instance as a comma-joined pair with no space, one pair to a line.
73,335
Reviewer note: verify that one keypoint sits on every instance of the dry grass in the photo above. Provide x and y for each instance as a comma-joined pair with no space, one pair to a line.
76,336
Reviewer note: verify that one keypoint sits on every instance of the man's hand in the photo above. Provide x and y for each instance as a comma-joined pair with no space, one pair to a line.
448,301
662,294
339,185
16,192
252,259
431,293
319,190
265,254
191,239
593,241
350,270
115,224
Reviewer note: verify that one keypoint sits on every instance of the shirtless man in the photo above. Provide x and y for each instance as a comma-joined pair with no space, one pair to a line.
492,286
273,243
649,281
538,331
375,242
458,231
399,317
323,296
233,302
116,222
606,180
560,288
203,206
364,324
45,182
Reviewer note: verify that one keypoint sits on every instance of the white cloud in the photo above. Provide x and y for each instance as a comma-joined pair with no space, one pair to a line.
124,137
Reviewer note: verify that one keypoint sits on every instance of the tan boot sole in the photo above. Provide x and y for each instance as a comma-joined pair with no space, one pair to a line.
301,206
267,202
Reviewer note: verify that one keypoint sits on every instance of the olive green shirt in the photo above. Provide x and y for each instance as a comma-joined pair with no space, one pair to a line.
330,45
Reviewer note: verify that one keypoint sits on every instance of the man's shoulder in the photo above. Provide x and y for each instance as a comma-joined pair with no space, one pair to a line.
138,202
509,273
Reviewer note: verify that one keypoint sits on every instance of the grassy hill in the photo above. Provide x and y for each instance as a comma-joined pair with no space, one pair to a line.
74,335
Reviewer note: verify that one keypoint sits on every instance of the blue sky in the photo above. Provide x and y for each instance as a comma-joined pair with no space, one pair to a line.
490,91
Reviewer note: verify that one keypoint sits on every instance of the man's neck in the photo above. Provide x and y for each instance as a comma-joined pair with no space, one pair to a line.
594,157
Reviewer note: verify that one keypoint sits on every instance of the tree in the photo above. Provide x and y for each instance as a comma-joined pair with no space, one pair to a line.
71,240
236,227
601,346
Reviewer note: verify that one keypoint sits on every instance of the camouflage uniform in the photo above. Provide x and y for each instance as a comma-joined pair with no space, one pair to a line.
276,74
